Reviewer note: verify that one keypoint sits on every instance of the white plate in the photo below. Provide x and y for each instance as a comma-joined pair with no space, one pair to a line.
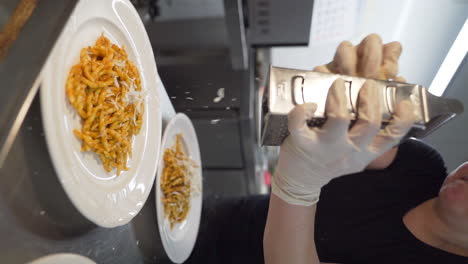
64,258
179,241
104,198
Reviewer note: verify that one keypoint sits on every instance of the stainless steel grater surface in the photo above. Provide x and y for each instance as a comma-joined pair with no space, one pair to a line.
288,87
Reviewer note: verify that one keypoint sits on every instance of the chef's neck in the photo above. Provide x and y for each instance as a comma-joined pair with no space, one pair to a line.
433,226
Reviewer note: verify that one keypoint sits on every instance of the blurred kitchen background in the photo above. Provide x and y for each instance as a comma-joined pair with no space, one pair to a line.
194,38
427,30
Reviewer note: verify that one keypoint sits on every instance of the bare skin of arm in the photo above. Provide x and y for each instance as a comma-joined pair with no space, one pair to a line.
283,220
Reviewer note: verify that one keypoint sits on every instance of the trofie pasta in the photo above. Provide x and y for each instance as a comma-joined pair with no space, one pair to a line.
176,183
105,89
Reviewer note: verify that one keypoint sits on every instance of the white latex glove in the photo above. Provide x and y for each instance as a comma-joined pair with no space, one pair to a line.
370,59
311,157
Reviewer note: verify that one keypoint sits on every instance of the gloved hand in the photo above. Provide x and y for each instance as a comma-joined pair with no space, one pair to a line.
311,157
369,59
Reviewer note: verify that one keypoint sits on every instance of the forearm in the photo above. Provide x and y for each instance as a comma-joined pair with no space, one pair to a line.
289,233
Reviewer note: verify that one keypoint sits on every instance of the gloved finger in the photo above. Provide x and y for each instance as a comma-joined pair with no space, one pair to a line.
400,79
369,54
391,54
298,116
400,124
336,110
345,60
322,68
369,118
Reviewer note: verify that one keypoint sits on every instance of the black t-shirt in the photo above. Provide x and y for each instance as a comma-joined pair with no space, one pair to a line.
359,217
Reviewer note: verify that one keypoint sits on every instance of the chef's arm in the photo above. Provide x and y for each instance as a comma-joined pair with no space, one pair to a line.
289,233
311,157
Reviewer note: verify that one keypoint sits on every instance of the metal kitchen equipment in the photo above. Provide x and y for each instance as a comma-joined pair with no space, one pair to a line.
227,48
19,89
288,87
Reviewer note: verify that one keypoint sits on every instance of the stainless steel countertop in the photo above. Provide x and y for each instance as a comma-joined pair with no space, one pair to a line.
18,89
37,218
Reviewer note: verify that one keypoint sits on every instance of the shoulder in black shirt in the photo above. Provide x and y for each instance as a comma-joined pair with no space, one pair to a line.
359,216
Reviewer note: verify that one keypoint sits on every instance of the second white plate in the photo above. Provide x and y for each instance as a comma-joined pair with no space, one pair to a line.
179,241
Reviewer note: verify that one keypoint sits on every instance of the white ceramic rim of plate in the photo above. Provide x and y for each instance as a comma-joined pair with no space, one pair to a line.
179,242
104,199
62,258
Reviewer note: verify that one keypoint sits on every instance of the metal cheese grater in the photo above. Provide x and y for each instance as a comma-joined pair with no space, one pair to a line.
288,87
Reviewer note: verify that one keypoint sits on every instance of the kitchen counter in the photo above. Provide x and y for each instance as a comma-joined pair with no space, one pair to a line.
37,218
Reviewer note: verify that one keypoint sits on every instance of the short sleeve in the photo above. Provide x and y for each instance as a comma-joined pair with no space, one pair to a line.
359,215
416,155
420,168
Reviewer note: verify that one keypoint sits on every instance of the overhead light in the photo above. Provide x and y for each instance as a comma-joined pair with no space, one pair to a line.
451,62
